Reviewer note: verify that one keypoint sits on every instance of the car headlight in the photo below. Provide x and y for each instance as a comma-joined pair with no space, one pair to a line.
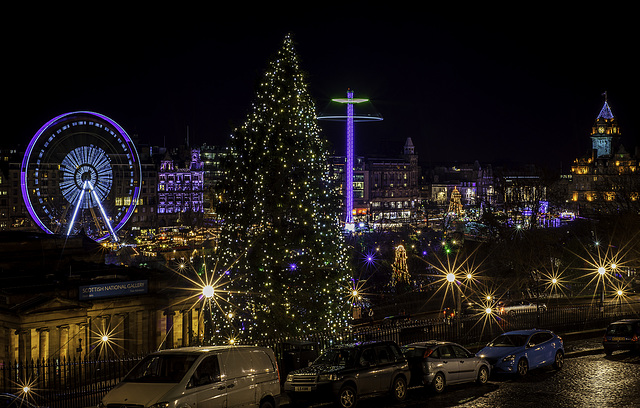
509,359
163,404
328,377
289,377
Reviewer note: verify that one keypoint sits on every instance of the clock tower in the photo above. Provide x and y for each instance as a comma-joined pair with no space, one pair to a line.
605,134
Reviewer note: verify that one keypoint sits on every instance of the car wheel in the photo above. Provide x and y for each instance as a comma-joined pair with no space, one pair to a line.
483,375
438,383
347,397
559,361
523,367
266,404
399,389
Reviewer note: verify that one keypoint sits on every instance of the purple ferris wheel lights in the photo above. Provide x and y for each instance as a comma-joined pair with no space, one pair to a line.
78,148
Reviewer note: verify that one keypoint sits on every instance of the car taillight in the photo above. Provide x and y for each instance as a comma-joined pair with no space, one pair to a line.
634,338
604,339
427,353
560,338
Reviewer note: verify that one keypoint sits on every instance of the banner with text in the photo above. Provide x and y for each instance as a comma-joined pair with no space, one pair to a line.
112,289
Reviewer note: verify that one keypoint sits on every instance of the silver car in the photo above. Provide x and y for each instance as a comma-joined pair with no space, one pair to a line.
512,307
437,364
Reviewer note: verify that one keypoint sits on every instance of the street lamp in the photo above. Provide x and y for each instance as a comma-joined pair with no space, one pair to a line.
602,271
208,291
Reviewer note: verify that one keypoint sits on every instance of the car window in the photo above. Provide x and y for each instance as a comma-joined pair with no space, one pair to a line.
412,352
620,330
368,356
208,372
337,357
396,354
445,352
535,340
383,354
509,340
459,352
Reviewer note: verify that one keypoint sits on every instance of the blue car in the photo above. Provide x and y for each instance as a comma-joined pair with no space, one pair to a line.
519,351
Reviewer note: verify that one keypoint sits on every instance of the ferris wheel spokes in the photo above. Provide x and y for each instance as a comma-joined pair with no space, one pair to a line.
88,187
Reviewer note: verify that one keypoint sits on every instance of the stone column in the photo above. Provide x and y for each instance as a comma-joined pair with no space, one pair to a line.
79,345
43,343
168,333
4,344
160,329
63,342
177,331
14,346
54,342
24,345
186,328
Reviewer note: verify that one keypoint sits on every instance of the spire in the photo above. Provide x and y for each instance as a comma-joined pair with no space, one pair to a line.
605,112
409,148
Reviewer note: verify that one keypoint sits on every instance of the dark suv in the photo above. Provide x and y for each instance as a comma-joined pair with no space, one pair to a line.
346,372
622,335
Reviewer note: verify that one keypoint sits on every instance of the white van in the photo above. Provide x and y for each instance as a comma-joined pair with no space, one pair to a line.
203,377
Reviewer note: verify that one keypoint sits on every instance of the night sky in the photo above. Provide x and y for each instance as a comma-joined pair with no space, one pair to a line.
465,84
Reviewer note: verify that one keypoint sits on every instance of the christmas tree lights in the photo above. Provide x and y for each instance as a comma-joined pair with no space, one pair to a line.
280,207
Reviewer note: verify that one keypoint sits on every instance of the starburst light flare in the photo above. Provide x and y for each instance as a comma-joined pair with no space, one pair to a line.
107,340
602,265
26,391
209,292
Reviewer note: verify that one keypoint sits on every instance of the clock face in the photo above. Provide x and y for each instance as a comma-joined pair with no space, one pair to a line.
601,129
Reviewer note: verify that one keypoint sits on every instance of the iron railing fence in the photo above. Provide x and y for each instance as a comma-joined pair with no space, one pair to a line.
64,383
82,382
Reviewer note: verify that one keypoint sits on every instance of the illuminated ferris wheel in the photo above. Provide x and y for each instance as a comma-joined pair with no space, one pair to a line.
81,172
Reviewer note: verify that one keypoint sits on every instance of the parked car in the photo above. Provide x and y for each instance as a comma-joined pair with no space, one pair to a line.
346,372
217,376
440,363
622,335
14,401
517,352
512,307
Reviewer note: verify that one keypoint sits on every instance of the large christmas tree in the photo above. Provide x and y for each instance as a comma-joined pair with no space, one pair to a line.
280,238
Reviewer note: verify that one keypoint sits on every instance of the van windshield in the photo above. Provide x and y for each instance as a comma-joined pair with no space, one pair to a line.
167,368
